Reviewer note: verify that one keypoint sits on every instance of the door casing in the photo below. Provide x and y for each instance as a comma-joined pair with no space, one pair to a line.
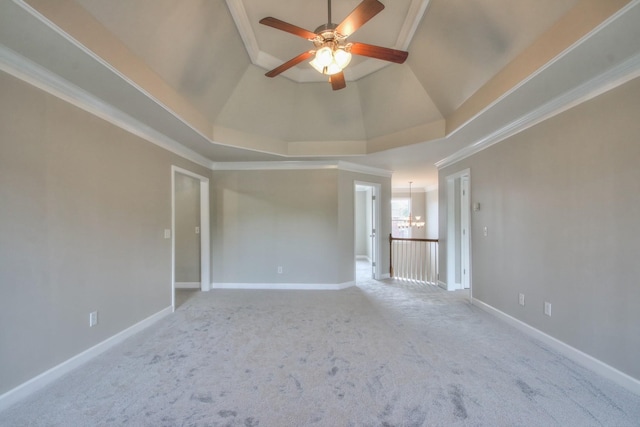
205,258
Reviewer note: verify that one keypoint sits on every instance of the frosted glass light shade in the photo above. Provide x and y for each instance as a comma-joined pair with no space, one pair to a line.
318,68
333,68
324,56
342,58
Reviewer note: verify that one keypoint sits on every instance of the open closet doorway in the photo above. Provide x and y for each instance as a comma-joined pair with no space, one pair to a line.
458,231
366,226
190,260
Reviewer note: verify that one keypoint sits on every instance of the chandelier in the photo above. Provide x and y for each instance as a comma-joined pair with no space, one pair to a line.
410,221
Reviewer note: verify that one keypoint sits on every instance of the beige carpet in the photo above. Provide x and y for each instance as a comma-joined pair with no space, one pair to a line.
380,354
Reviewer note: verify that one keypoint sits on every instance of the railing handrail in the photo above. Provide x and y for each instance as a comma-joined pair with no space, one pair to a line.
409,239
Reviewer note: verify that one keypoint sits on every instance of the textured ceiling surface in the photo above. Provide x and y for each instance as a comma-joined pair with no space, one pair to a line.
195,46
204,62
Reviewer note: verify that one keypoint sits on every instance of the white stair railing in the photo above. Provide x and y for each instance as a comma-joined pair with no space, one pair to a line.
414,260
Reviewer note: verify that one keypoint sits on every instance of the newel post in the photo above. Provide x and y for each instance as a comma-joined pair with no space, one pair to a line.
390,255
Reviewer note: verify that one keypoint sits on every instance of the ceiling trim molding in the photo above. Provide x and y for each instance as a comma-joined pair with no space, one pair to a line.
417,8
614,77
553,61
239,15
37,76
300,165
416,11
424,189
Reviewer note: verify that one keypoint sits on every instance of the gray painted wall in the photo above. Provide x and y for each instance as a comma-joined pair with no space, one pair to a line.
82,213
187,218
300,220
266,219
562,205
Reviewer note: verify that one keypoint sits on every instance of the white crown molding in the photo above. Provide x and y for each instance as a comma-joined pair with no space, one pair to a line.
397,190
416,11
547,65
35,75
369,170
417,8
36,14
584,92
239,15
301,165
616,76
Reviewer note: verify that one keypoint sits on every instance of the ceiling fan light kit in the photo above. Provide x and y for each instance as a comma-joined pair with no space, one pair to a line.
332,52
331,58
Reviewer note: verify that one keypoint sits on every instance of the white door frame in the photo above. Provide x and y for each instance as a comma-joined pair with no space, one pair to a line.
465,225
375,245
454,225
205,259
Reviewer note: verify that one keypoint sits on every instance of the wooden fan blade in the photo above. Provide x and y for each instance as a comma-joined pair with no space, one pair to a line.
378,52
289,28
357,18
337,81
290,63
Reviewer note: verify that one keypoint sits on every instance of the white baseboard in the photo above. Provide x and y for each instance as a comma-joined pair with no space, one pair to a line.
285,286
630,383
443,285
187,285
23,390
385,276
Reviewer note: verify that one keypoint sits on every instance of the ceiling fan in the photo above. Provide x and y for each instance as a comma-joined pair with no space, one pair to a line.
332,51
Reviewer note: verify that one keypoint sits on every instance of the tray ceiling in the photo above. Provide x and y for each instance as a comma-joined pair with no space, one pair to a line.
203,63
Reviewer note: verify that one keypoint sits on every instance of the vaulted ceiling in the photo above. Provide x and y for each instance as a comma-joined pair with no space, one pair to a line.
193,71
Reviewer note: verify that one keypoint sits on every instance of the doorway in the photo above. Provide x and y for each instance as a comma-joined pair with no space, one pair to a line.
458,231
189,227
366,226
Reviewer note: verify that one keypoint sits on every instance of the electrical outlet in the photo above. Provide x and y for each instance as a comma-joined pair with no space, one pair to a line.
521,299
93,318
279,270
167,233
547,308
486,231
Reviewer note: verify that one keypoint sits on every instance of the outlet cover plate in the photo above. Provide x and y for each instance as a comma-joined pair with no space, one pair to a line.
547,308
93,318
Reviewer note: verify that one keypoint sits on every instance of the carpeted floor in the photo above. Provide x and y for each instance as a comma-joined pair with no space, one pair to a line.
380,354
